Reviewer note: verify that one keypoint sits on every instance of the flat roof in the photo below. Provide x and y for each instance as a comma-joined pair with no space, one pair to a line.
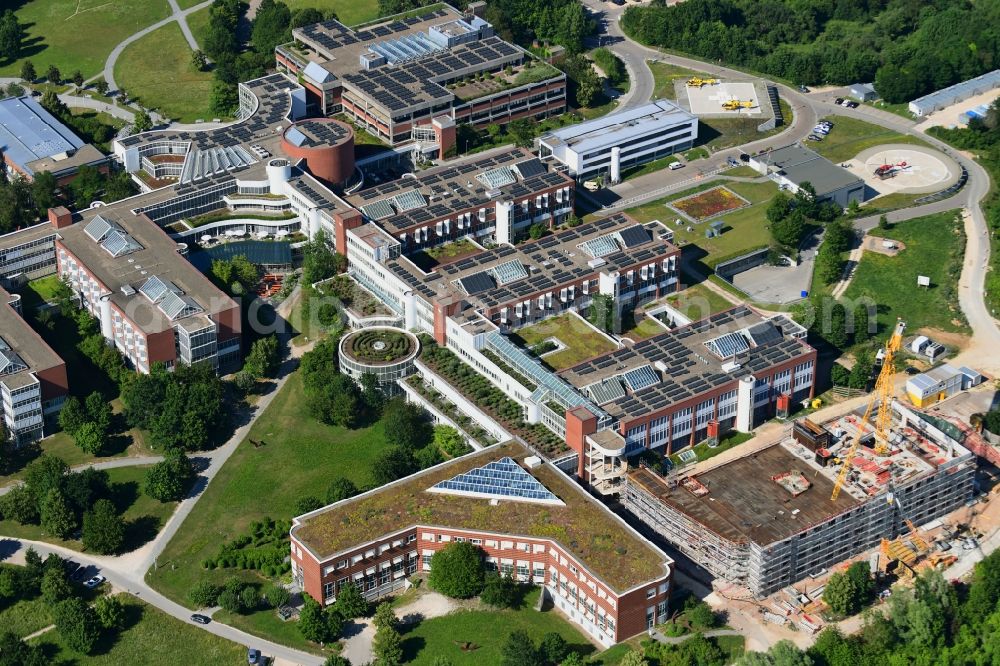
743,503
801,165
501,275
691,365
85,155
617,128
24,343
28,132
455,187
318,132
156,256
608,547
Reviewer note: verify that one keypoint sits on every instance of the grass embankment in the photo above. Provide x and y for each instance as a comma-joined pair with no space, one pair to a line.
157,71
933,247
78,34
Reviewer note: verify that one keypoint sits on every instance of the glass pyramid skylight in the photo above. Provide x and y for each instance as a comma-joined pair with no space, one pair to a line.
501,479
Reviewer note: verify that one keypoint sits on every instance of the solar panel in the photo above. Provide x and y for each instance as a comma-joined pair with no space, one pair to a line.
378,210
509,271
599,247
641,377
410,200
497,178
529,168
728,345
764,333
500,479
477,282
96,228
633,236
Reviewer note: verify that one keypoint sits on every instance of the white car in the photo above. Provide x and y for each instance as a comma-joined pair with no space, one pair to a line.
95,581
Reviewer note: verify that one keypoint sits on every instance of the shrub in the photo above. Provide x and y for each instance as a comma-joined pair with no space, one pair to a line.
457,570
204,594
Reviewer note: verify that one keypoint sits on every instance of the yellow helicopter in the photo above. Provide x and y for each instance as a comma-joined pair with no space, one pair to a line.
737,104
698,82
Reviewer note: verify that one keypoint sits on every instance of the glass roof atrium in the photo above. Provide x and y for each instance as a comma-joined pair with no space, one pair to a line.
501,479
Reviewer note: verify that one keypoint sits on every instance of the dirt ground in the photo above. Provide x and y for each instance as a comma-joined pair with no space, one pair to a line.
874,244
948,116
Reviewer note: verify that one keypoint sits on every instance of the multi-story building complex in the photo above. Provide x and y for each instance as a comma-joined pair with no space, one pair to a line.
33,382
529,519
767,520
27,254
415,78
152,304
33,141
621,140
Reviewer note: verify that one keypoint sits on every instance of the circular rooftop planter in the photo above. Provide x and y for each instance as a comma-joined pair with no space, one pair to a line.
385,351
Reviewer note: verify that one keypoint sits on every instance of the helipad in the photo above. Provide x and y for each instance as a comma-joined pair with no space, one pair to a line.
911,169
708,100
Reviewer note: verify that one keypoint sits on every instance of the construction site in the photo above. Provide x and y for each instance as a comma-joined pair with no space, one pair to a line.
821,495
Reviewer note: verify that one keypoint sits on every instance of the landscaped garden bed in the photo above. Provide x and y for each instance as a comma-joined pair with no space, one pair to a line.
379,345
449,409
710,203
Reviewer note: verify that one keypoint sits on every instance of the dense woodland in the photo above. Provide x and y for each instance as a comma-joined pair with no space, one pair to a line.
907,47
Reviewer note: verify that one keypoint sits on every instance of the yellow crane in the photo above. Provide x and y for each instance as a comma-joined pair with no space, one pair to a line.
736,104
698,82
881,395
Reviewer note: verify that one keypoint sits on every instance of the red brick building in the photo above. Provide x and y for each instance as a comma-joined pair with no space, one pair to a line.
599,572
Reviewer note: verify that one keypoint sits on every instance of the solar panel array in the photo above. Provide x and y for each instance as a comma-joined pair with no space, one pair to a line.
528,168
634,236
500,479
606,390
477,283
332,35
641,377
729,345
97,228
320,133
378,210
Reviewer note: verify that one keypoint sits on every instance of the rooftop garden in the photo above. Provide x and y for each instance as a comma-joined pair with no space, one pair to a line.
710,203
488,397
432,257
580,340
449,409
225,214
488,83
379,345
608,548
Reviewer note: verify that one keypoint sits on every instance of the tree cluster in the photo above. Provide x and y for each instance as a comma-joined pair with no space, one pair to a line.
236,275
520,650
848,592
261,362
170,479
323,625
906,48
12,35
262,548
584,83
830,258
458,570
612,66
319,261
87,422
62,501
181,409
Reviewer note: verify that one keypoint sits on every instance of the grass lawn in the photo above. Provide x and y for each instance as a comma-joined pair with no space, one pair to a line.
78,34
601,106
646,328
298,458
745,171
720,133
901,109
934,247
349,12
143,515
151,638
157,70
850,136
732,646
101,117
726,442
430,258
664,76
41,290
697,302
266,622
649,167
580,339
25,617
198,22
436,637
744,229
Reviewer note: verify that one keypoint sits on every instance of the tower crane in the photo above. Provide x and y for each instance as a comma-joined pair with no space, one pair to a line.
882,395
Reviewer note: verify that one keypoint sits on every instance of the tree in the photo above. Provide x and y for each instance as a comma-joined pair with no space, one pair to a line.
53,75
15,652
72,416
837,335
883,223
839,375
312,621
387,646
98,411
101,86
103,528
249,599
28,72
56,586
862,324
307,504
14,89
198,60
262,360
633,658
204,594
350,602
271,26
699,614
385,616
56,514
779,208
77,625
450,441
519,650
788,230
392,464
77,79
842,594
522,132
499,591
110,611
90,438
45,473
406,425
553,648
537,230
306,16
457,570
318,260
340,489
230,600
336,660
277,595
142,122
11,35
787,653
20,505
602,312
861,575
371,390
170,479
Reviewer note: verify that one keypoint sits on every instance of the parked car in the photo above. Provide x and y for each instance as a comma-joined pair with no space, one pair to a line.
813,137
803,89
95,581
200,619
838,101
253,656
674,166
852,105
732,162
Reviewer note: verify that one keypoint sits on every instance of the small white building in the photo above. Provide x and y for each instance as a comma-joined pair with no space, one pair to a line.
936,384
628,138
